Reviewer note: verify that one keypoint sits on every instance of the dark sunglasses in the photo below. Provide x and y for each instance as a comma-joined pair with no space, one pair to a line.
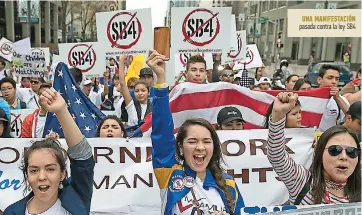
228,75
335,150
34,82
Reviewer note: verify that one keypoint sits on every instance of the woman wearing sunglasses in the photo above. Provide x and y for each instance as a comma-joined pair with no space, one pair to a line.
335,175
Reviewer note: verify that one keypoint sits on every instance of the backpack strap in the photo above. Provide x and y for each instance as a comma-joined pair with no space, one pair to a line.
22,105
137,105
110,93
304,191
149,107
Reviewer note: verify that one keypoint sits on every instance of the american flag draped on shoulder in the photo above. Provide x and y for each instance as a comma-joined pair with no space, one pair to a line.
84,112
188,100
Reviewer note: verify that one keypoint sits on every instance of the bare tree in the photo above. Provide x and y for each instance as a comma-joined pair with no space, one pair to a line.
67,7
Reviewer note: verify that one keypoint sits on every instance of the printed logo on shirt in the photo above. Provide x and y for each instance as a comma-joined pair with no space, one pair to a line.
332,112
177,183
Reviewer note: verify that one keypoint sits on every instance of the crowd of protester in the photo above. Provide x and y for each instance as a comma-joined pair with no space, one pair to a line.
335,175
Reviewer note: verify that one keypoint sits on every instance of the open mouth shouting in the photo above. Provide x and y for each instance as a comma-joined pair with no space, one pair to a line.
43,188
199,158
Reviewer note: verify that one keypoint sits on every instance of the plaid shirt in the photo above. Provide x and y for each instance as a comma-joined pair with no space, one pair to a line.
245,81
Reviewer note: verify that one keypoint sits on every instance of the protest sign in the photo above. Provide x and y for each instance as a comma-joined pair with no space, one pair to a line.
42,51
125,31
340,209
28,65
238,52
200,29
7,47
18,116
123,166
88,57
252,57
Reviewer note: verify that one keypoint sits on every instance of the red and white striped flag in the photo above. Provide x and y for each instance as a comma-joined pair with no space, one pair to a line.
188,100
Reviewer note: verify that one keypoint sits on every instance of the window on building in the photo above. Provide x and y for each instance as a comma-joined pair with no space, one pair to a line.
253,9
272,5
264,6
263,28
18,31
42,35
42,12
300,2
2,9
51,36
16,13
271,29
282,3
59,18
51,16
281,25
2,30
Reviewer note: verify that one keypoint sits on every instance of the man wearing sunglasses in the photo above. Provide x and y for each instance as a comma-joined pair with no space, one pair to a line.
30,95
227,74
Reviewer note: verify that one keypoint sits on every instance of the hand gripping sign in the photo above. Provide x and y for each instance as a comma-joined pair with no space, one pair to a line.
200,29
87,57
128,31
237,53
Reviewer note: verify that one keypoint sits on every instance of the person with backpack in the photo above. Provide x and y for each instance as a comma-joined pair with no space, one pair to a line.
138,107
113,97
335,174
8,90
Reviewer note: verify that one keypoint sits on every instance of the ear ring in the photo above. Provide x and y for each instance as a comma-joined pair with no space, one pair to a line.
61,185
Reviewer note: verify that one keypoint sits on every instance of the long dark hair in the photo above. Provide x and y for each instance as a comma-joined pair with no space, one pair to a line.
214,165
269,112
6,131
49,144
353,186
114,117
298,84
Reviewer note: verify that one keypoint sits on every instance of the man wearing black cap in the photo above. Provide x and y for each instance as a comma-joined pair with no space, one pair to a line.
230,118
353,118
146,75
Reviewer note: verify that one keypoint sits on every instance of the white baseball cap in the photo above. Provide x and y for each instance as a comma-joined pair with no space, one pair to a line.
264,80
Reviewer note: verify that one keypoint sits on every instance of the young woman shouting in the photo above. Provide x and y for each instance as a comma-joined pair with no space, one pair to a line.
335,175
188,167
44,169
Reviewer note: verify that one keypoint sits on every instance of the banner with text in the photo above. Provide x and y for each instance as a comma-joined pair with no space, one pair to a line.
124,174
30,64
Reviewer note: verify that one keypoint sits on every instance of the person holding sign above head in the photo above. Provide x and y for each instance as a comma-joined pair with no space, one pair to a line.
138,107
44,169
335,175
188,168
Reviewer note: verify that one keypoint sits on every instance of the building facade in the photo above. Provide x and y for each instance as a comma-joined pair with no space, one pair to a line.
296,49
42,33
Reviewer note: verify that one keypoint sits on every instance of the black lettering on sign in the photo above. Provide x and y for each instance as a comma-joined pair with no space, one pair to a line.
77,57
117,28
194,24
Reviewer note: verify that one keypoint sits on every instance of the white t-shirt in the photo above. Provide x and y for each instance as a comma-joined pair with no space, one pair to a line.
56,209
2,74
332,115
96,98
209,201
118,107
40,126
28,96
116,96
132,113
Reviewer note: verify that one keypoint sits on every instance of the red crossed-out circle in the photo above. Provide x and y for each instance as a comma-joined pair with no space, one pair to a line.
251,58
6,52
114,42
188,38
239,50
185,63
89,48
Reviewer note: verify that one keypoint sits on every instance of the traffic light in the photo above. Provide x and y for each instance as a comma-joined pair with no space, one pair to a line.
279,40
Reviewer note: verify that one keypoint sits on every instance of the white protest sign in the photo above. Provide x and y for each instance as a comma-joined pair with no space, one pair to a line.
252,57
88,57
238,52
125,31
28,65
233,39
42,51
200,29
123,166
6,49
